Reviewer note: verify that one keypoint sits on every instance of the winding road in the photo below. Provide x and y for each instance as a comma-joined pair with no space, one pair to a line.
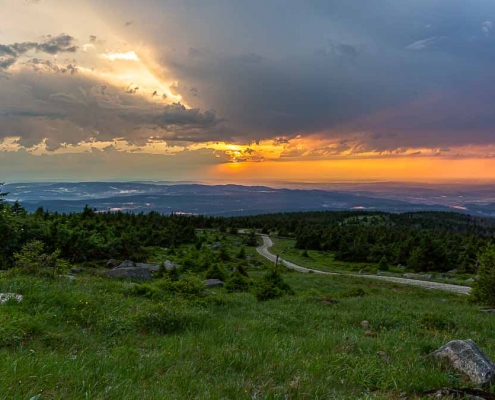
267,243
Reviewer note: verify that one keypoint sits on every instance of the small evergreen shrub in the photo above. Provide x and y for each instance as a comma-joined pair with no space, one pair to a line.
483,291
272,286
237,283
216,272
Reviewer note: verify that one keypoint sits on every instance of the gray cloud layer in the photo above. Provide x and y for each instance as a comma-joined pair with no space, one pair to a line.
9,54
391,75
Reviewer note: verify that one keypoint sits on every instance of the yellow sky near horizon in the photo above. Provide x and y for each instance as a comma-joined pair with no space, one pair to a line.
406,169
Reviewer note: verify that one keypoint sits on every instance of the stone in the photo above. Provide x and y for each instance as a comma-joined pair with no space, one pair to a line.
76,270
4,297
384,356
112,263
444,276
212,283
169,265
453,271
361,272
151,267
142,274
470,280
365,325
488,310
467,358
126,264
418,276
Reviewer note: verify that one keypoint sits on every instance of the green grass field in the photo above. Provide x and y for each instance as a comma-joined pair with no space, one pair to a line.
322,261
100,339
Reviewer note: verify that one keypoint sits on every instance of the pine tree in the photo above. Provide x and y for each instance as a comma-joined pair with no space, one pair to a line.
484,287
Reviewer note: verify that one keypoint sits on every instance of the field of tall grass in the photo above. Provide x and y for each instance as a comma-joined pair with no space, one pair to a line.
99,339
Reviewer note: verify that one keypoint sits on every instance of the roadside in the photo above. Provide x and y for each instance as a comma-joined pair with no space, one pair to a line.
263,250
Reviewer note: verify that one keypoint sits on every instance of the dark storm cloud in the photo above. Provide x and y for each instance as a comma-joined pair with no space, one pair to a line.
344,67
9,54
69,109
382,75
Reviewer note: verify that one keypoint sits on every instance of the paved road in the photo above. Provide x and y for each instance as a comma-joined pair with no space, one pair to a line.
267,243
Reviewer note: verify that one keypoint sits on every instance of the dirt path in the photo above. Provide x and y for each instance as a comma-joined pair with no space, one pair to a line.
267,243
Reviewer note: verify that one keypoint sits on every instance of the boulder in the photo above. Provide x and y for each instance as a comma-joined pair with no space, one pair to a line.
151,267
212,283
418,276
125,264
361,272
112,263
169,265
76,270
470,280
466,357
142,274
444,276
4,297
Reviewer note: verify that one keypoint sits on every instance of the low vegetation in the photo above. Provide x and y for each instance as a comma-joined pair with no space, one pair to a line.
267,333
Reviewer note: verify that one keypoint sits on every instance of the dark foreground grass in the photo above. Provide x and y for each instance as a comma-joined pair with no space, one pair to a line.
96,339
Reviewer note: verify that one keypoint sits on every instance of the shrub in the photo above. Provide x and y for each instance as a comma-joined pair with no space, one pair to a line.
484,287
173,274
216,272
237,283
242,253
190,286
272,286
32,259
144,290
383,264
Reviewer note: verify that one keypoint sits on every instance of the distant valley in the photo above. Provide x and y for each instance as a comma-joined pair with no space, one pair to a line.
231,200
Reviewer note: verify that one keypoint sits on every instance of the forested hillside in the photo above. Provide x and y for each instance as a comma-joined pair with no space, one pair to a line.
420,241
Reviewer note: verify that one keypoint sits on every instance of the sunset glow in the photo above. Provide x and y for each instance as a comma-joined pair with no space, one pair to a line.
106,83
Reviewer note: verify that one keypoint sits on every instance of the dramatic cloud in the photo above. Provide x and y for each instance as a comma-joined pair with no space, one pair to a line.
262,80
9,54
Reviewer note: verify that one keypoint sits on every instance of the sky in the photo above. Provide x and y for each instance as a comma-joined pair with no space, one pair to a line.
247,91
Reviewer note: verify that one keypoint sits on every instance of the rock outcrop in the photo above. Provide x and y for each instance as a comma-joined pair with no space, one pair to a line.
143,274
466,357
211,283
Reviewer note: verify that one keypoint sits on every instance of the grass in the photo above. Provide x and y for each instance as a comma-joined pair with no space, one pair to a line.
323,261
100,339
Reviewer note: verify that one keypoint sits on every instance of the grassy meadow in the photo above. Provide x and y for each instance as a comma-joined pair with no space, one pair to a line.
99,339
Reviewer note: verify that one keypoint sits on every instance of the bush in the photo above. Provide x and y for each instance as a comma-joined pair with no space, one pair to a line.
272,286
237,283
383,264
190,286
216,272
242,254
484,287
32,259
